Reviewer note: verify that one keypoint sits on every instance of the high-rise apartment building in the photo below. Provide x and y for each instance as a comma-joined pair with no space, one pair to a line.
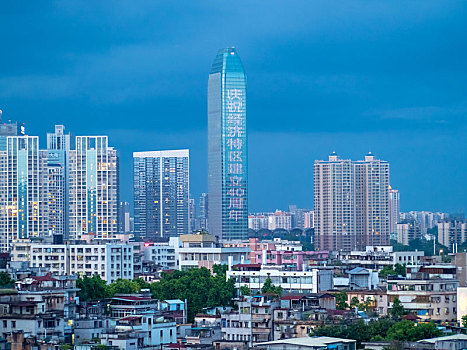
161,193
334,194
22,201
280,220
9,128
192,213
227,147
309,219
394,209
94,188
257,222
372,201
452,233
124,217
57,180
407,231
203,211
427,219
351,203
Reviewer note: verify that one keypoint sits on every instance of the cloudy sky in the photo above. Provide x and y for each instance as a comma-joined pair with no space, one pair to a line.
350,76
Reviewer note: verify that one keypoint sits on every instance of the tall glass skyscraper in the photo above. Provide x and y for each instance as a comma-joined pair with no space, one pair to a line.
161,193
227,147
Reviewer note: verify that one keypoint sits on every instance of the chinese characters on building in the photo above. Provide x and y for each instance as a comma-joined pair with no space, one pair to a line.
235,153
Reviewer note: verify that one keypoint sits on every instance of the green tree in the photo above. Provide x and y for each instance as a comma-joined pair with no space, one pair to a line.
396,270
121,286
382,329
219,269
92,288
367,304
420,245
400,270
197,286
397,310
406,330
354,303
464,321
142,283
5,280
341,300
245,290
268,287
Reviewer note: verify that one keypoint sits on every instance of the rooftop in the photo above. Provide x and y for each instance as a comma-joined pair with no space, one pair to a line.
445,338
308,341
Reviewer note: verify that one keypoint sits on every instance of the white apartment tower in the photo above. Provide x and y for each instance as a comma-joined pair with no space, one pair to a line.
94,192
394,209
22,207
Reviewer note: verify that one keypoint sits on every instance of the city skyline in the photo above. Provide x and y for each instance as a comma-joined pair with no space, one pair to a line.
309,87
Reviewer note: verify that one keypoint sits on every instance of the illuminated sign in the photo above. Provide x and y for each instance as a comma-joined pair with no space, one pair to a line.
236,132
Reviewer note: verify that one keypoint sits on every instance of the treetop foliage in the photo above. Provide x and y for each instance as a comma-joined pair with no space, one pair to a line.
197,286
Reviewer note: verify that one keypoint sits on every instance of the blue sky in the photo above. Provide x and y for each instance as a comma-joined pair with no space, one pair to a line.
350,76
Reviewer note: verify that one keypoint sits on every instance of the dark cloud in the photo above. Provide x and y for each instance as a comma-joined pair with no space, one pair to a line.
355,75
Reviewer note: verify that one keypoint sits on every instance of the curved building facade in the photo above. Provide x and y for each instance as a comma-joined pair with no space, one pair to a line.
227,147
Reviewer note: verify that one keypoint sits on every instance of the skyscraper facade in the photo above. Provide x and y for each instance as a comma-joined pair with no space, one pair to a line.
124,217
9,128
94,188
203,211
394,209
372,201
57,180
161,193
334,189
227,147
351,203
22,202
192,213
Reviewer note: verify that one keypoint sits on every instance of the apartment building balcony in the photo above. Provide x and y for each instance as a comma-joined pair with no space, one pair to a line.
260,317
260,330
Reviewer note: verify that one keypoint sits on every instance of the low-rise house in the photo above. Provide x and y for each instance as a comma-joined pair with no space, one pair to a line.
429,291
175,309
377,257
308,343
314,280
110,261
123,305
377,300
139,331
360,278
452,342
300,314
85,330
42,306
203,250
253,322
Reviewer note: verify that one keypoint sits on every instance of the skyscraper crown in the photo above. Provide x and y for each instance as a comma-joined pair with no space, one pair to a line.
227,60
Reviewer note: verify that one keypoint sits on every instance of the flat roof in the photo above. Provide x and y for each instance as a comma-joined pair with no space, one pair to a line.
308,341
159,154
448,337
